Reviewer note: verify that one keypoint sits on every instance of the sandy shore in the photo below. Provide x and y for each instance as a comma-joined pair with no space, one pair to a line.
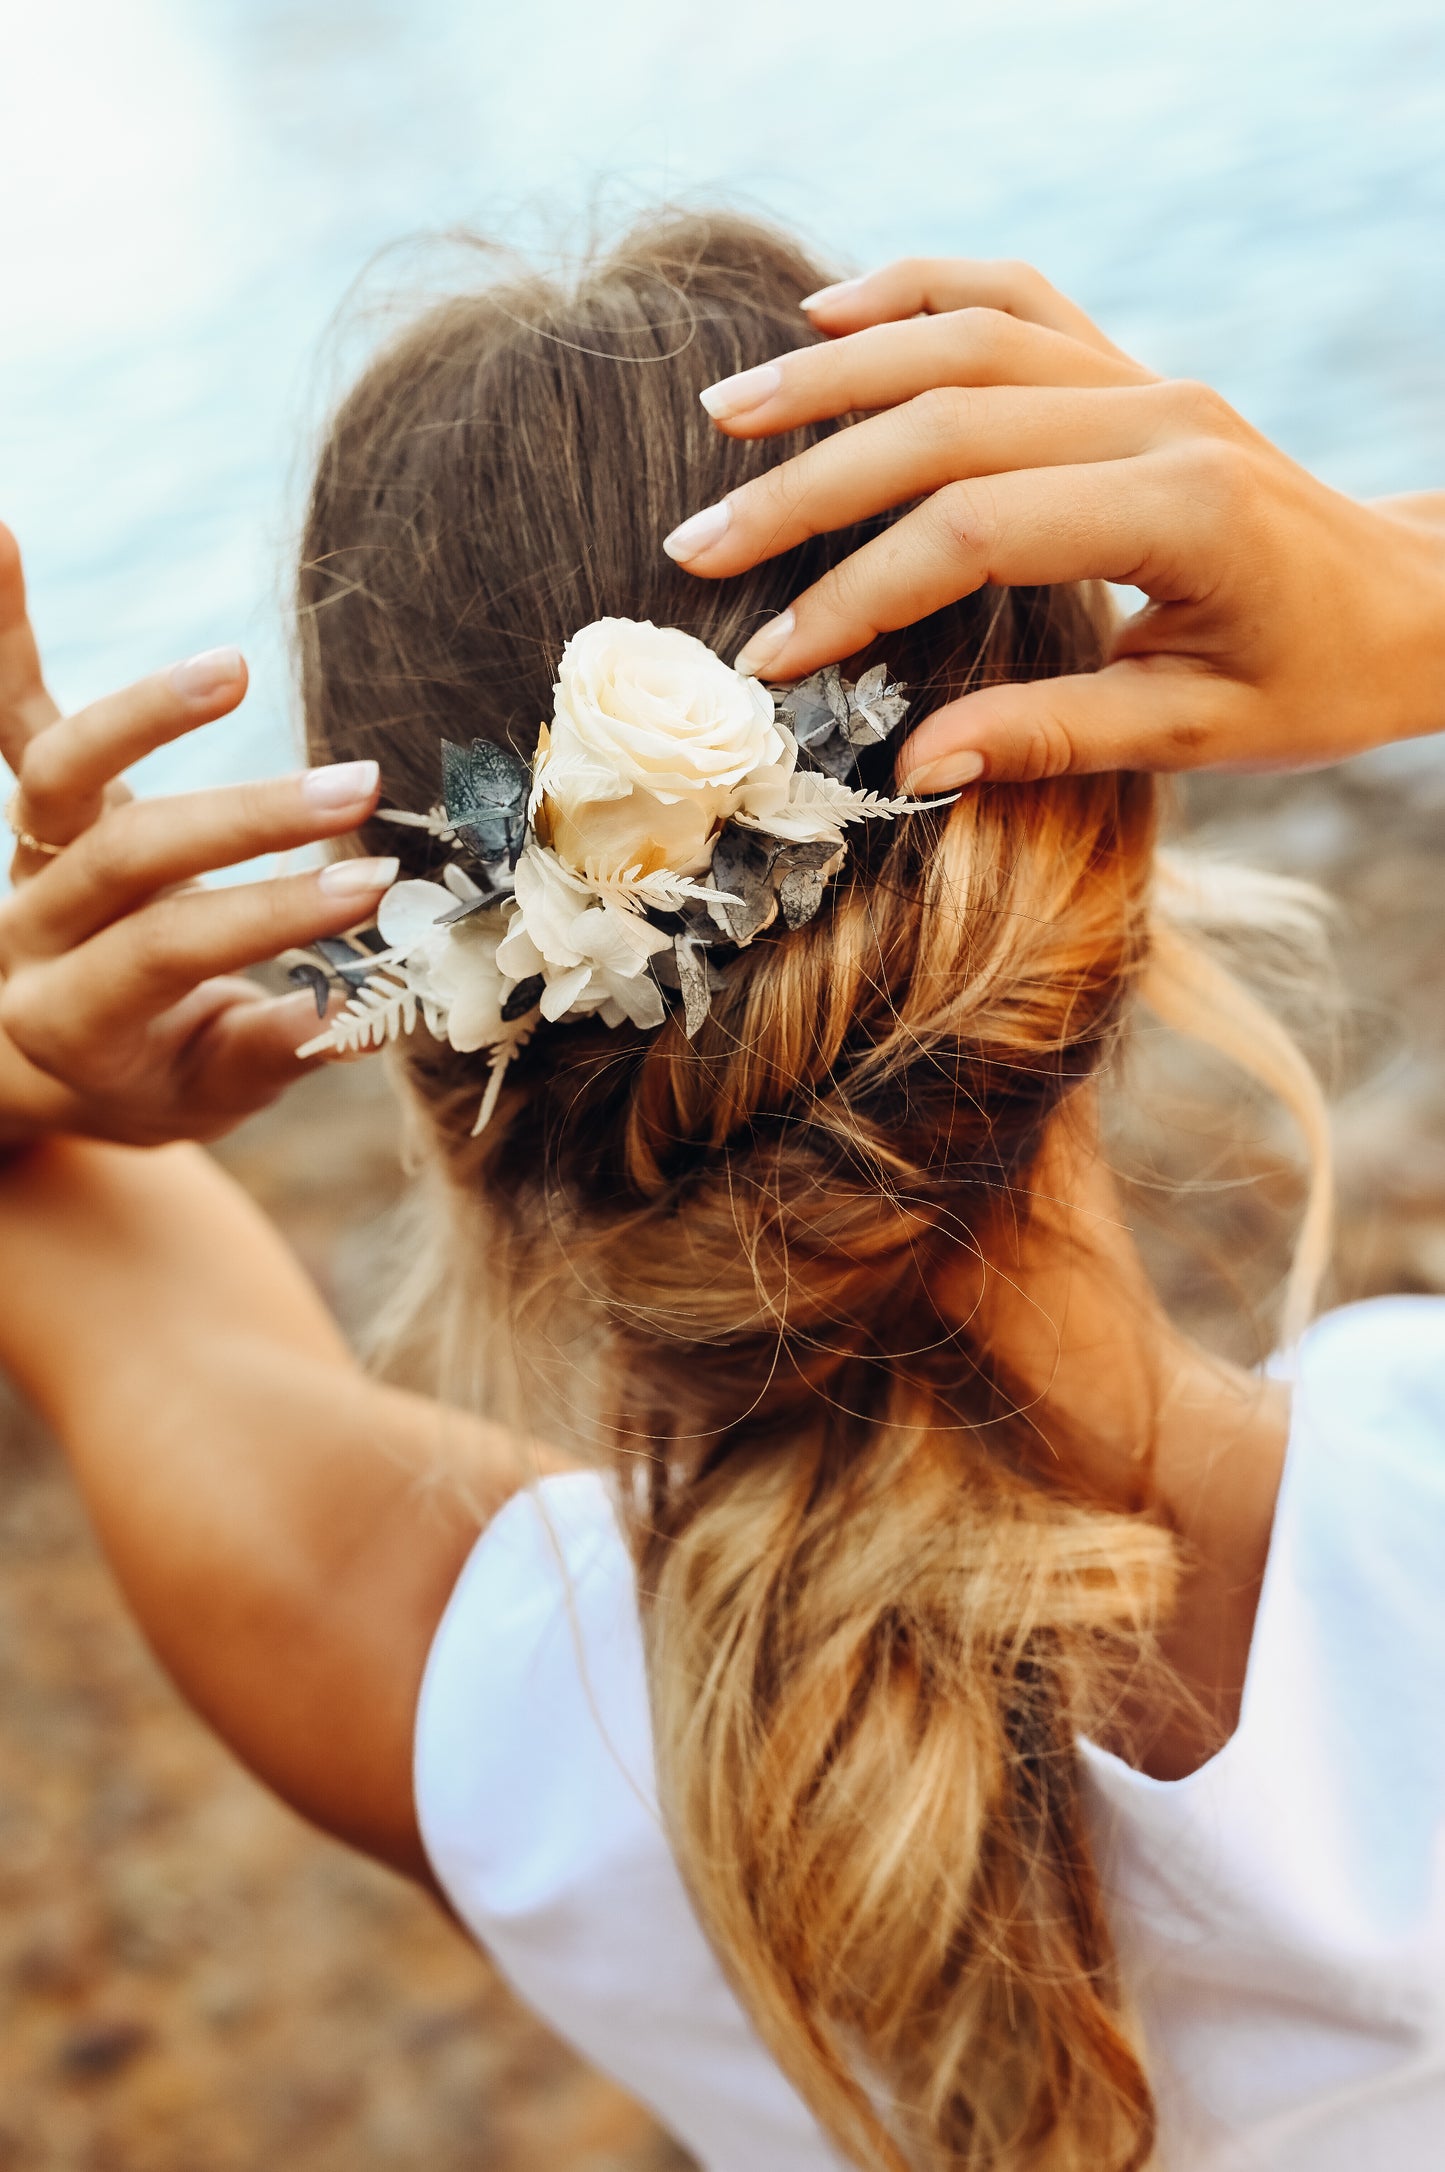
192,1981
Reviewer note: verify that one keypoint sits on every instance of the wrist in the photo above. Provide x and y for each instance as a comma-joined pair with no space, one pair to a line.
1417,671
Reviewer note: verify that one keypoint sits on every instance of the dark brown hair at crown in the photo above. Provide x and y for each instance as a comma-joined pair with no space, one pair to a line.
504,473
864,1605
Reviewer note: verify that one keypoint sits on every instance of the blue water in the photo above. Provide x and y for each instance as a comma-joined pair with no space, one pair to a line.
1252,192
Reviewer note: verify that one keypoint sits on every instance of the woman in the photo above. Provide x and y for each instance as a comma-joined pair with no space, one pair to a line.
863,1771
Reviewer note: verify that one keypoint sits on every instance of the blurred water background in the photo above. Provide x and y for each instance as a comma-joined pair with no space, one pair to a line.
1253,193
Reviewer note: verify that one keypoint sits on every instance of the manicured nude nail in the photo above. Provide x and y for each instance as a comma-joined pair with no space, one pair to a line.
358,880
735,395
206,674
343,784
826,295
768,642
699,532
945,773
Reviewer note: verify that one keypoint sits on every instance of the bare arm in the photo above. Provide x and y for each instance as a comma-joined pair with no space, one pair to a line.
285,1530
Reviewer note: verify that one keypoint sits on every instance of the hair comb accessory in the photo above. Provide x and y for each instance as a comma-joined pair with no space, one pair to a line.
673,810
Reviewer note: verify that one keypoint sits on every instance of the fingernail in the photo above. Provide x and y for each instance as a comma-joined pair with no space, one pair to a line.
694,535
734,395
358,879
945,773
207,673
835,293
769,641
343,784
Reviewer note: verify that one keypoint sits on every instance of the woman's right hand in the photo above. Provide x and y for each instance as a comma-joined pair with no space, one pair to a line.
123,1013
1287,624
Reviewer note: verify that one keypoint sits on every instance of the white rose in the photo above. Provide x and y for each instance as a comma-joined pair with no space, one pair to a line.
655,741
454,968
592,954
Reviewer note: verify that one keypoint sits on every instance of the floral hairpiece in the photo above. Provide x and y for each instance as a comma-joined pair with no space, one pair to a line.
673,809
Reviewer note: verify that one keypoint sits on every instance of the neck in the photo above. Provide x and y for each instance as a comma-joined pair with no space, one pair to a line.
1145,1420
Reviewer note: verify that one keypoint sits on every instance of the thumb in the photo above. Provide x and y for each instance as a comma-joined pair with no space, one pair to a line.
250,1047
1140,713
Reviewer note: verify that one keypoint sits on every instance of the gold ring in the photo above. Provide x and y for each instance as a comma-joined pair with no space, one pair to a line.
27,838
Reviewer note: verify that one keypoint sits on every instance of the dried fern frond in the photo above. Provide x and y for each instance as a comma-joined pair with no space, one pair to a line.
384,1008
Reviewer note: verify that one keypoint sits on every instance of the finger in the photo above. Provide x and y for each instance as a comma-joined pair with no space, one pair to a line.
151,845
931,284
942,436
1118,520
1169,715
887,363
253,1046
62,1011
25,703
65,768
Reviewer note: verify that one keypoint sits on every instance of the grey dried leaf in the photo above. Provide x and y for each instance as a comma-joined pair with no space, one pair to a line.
692,979
485,789
742,862
469,905
317,979
832,720
801,873
347,958
815,707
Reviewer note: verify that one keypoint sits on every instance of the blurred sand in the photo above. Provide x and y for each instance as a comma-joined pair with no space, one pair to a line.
190,1981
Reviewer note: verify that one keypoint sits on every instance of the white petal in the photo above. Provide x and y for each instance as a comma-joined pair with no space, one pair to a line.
640,998
459,882
560,994
409,911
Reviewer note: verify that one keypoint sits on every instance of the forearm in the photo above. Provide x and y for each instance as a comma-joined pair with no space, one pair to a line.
285,1530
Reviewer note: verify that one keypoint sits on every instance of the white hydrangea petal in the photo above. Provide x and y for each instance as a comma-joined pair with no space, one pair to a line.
517,955
560,994
409,911
641,999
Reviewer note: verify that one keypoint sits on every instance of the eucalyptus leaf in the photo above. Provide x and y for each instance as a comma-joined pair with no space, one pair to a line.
801,873
742,862
834,720
485,789
317,979
692,979
524,997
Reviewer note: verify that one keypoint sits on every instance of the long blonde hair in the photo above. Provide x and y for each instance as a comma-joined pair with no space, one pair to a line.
876,1618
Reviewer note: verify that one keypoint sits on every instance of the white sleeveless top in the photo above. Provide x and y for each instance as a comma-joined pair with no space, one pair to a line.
1280,1914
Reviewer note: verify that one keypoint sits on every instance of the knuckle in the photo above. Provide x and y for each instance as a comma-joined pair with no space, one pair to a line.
1047,749
254,808
780,495
845,603
24,1017
939,415
962,520
1197,406
1219,471
44,767
984,335
1021,281
156,940
114,847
